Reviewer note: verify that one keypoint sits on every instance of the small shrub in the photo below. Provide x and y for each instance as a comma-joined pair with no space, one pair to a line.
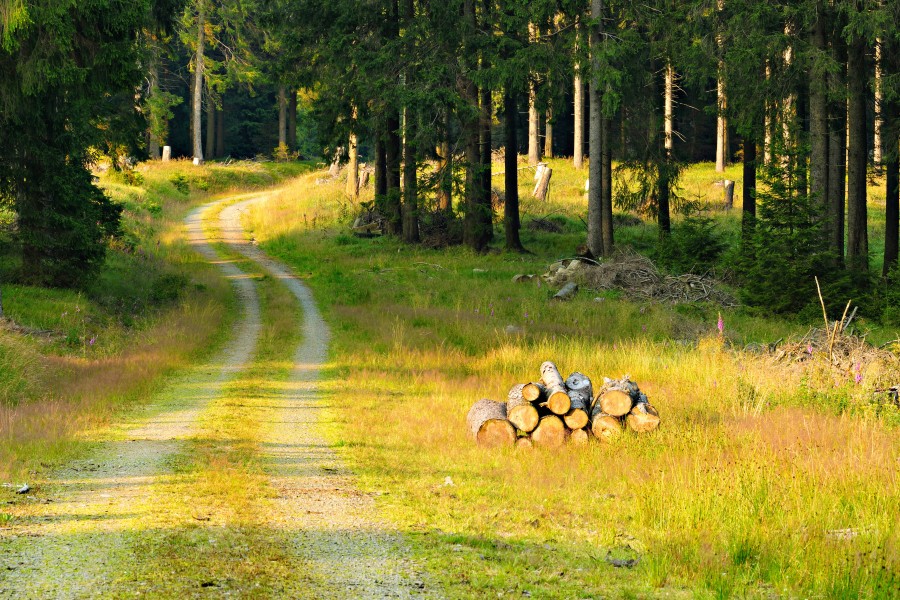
694,245
181,183
167,288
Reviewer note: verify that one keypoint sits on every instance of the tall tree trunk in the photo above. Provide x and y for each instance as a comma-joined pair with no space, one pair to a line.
857,233
578,153
818,121
548,134
199,64
210,127
748,215
393,156
292,120
877,152
534,147
475,235
282,116
770,122
595,174
352,189
153,142
721,105
511,173
837,152
410,187
220,131
486,143
606,223
890,55
664,183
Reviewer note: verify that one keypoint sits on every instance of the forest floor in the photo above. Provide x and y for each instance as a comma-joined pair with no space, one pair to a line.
221,483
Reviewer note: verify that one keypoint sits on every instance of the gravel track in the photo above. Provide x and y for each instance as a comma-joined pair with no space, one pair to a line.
79,528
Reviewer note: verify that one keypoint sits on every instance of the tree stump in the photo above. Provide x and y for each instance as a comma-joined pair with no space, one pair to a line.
558,401
643,418
167,153
543,182
519,411
550,432
488,425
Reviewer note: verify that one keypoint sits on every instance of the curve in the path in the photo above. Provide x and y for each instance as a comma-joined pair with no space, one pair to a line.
329,522
82,526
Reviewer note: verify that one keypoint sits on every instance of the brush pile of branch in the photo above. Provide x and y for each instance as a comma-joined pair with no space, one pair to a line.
553,411
638,278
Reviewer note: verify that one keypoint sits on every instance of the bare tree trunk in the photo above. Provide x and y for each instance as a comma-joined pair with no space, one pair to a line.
818,121
292,120
769,126
511,174
663,185
153,142
534,148
578,153
857,232
475,234
486,145
595,175
220,131
352,189
210,126
606,224
393,152
282,116
669,112
199,63
410,187
879,101
548,135
721,106
837,152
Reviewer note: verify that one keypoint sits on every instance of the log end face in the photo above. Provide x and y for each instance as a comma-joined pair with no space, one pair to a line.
524,417
496,433
615,403
559,403
576,419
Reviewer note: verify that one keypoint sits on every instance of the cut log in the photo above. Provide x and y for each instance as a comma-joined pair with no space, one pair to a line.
488,425
643,418
558,401
580,436
605,426
580,381
578,415
617,396
524,443
550,432
520,412
614,402
167,153
534,392
567,292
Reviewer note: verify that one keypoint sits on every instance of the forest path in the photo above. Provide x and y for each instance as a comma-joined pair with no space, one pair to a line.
224,483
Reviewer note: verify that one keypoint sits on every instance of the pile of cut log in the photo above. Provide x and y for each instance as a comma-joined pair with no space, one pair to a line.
553,411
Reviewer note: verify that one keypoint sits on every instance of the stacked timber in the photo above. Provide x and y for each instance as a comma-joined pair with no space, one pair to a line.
553,411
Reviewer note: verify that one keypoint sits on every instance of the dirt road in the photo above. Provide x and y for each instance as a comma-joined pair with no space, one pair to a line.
144,513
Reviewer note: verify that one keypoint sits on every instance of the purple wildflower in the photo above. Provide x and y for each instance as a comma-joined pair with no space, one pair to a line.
92,340
809,349
721,325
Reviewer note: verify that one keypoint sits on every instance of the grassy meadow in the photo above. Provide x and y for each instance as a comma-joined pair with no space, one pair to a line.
70,359
766,479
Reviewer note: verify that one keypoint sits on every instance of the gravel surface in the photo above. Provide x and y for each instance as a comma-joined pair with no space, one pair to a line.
331,524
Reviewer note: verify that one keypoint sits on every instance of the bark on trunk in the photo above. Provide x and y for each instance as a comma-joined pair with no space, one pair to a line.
857,233
199,63
282,116
595,195
488,425
578,153
292,120
542,188
410,187
558,401
153,142
511,223
891,158
818,120
663,185
210,127
579,414
606,207
352,189
220,132
520,412
837,154
392,211
534,149
548,135
721,123
550,432
445,166
877,154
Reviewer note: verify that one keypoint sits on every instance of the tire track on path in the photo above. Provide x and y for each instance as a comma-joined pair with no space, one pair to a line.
326,520
75,537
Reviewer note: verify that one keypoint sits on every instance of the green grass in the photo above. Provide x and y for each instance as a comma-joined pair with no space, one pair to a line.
737,495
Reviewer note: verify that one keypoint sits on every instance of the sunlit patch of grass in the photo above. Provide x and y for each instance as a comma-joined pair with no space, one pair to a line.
739,493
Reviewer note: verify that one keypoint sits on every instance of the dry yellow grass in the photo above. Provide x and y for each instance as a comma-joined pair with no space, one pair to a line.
764,479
